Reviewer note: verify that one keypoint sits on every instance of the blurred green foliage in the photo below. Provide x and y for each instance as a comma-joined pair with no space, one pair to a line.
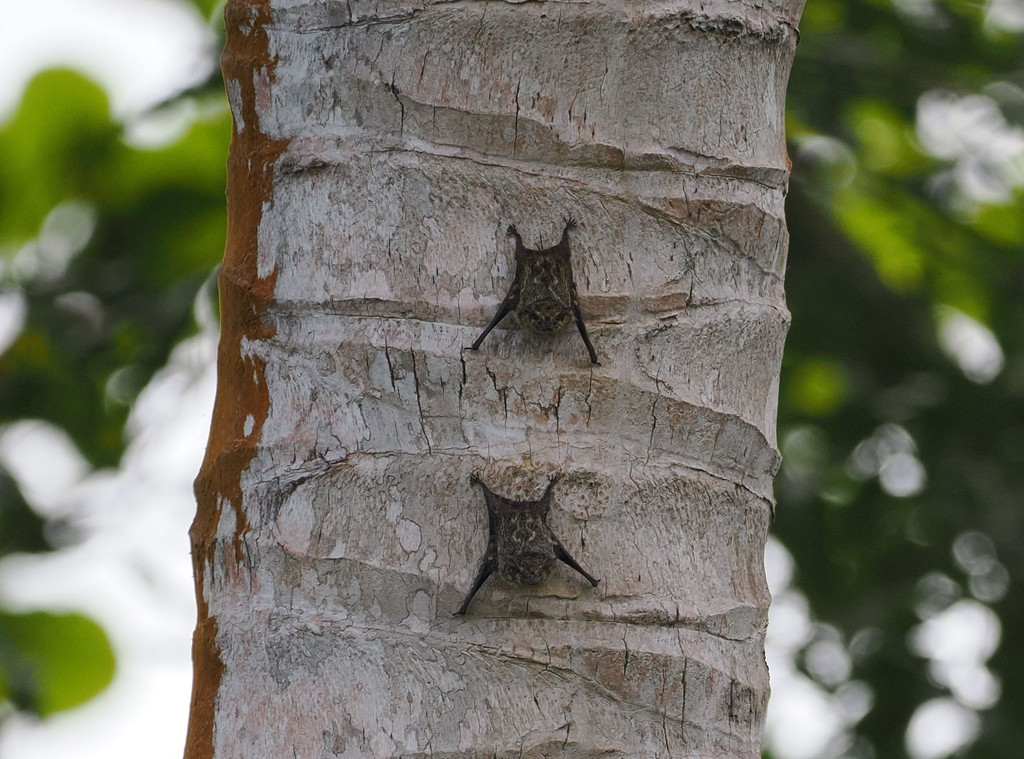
887,242
104,244
108,243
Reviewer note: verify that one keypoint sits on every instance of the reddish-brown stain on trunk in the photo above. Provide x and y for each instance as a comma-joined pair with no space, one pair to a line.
241,386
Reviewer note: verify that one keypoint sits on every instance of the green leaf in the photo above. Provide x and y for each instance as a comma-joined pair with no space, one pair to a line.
209,7
1002,224
882,232
51,150
52,662
818,386
885,139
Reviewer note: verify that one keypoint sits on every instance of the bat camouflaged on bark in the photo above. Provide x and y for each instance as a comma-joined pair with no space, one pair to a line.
543,292
520,545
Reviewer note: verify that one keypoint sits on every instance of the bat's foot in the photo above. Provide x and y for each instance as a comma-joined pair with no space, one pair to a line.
570,223
512,231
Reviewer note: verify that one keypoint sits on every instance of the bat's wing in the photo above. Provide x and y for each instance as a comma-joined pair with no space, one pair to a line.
564,557
486,570
507,306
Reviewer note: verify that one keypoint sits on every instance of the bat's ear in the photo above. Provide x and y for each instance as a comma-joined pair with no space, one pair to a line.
513,232
545,500
474,479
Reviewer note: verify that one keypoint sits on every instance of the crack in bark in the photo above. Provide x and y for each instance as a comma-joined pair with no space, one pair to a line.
391,368
501,391
682,706
419,402
462,383
664,713
590,392
515,123
401,123
654,422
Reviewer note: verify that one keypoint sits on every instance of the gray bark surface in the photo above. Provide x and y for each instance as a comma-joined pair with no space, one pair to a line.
405,137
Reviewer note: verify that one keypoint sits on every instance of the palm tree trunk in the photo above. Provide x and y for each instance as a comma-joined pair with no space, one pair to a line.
381,150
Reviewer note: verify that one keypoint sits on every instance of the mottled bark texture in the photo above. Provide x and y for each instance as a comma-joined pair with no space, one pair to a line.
381,150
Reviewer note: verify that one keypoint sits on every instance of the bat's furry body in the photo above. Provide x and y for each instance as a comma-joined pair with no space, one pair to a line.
520,546
543,291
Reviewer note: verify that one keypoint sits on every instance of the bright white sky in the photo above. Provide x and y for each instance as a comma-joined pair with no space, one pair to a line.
140,50
133,574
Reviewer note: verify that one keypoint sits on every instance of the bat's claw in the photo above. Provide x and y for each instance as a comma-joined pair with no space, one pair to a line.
570,222
512,231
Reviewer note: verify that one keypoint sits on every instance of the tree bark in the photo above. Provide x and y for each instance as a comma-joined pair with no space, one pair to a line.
380,151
